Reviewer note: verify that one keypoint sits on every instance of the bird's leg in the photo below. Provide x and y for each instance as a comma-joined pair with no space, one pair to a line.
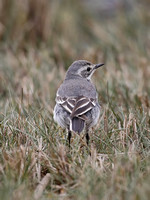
87,137
87,141
69,136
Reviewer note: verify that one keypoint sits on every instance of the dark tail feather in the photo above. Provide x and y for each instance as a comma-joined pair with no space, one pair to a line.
77,125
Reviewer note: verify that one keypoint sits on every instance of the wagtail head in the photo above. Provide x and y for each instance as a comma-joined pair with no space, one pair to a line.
82,68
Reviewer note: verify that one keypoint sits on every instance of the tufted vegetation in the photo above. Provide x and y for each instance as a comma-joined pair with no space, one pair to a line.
39,39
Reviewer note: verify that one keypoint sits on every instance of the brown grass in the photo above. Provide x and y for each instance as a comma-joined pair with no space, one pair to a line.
38,41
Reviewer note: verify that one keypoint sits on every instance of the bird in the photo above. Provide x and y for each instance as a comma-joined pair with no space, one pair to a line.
77,107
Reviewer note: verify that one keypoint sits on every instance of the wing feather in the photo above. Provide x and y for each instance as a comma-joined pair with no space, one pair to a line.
77,107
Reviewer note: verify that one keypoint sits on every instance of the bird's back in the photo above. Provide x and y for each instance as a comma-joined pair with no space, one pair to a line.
77,87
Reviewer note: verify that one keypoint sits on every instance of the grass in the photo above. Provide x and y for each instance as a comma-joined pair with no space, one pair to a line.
37,44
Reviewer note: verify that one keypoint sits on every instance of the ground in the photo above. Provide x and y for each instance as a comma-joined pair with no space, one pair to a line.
38,41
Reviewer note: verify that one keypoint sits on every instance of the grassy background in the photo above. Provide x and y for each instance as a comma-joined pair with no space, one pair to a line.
39,39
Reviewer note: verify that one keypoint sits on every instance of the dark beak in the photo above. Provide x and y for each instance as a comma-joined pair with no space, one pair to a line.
98,65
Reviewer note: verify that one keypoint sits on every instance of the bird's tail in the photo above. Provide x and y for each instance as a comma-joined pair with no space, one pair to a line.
77,124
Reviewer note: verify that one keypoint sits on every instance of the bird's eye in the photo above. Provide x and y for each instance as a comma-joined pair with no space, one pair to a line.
88,69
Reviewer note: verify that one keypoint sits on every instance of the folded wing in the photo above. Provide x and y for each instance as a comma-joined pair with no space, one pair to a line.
77,107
